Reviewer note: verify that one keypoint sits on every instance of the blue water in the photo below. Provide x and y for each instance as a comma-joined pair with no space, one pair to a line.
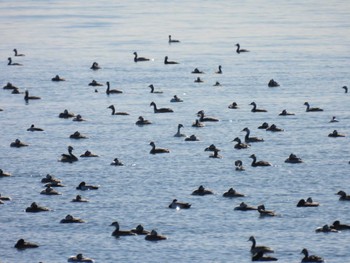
303,46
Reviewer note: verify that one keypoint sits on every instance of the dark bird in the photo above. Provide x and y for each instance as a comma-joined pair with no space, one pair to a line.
139,59
117,232
240,145
116,112
166,62
311,258
18,54
256,249
179,205
239,50
343,196
259,163
260,257
70,157
112,91
219,70
202,191
254,109
161,110
345,88
141,121
154,236
33,128
272,83
248,139
27,97
263,212
203,118
155,150
95,66
21,244
308,108
13,64
173,40
154,91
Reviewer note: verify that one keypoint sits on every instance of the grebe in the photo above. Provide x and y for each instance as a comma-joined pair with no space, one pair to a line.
232,193
293,159
285,113
263,126
334,119
211,148
161,110
139,230
117,232
244,207
240,145
17,143
248,139
197,71
233,105
179,134
49,191
57,78
94,83
153,91
336,225
179,205
308,203
272,83
88,154
198,80
215,154
5,198
21,244
116,162
336,134
311,258
71,219
198,124
192,138
95,66
77,135
343,196
33,128
116,112
79,198
166,62
239,165
219,71
202,191
176,99
112,91
239,50
139,59
154,236
259,163
155,150
141,121
65,114
80,259
78,118
18,54
254,109
4,174
345,88
83,186
35,208
173,40
9,86
13,64
50,179
217,84
308,109
325,229
274,128
263,212
27,97
256,249
70,157
203,118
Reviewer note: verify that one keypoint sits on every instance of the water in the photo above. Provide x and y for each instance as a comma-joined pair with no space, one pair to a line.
303,46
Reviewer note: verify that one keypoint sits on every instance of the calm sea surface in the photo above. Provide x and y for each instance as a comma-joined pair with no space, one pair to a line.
305,46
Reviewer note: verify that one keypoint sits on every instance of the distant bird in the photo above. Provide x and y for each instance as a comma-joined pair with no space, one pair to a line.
343,196
259,163
311,258
94,83
345,88
77,135
309,109
248,139
95,66
263,212
260,257
179,134
204,118
254,109
116,112
112,91
338,226
215,154
272,83
141,121
153,91
217,84
21,244
139,230
263,126
197,71
293,159
179,205
83,186
308,203
232,193
335,133
233,105
80,258
160,110
211,148
17,144
325,229
117,232
33,128
65,114
154,236
202,191
88,154
57,78
27,97
18,54
256,249
219,70
176,99
239,50
139,59
198,124
10,63
240,145
244,207
70,157
274,128
239,165
166,62
155,150
334,119
198,80
173,40
285,113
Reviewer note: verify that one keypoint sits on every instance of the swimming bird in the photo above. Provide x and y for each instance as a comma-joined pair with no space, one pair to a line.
240,145
260,257
263,212
10,86
112,91
219,70
10,63
65,114
18,54
232,193
21,244
211,148
50,179
197,71
78,118
70,157
217,84
285,113
244,207
139,59
116,162
79,198
154,236
308,203
35,208
272,83
215,154
179,134
202,191
155,150
311,258
94,83
192,138
161,110
293,159
95,66
248,139
87,153
49,191
166,62
198,80
153,91
254,109
116,112
264,126
71,219
139,230
5,198
239,50
325,229
57,78
179,205
345,88
117,232
77,135
173,40
54,184
239,165
17,144
336,134
274,128
256,249
33,128
203,118
338,226
176,99
259,163
80,259
343,196
4,174
233,105
141,121
334,119
198,124
83,186
309,109
27,97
